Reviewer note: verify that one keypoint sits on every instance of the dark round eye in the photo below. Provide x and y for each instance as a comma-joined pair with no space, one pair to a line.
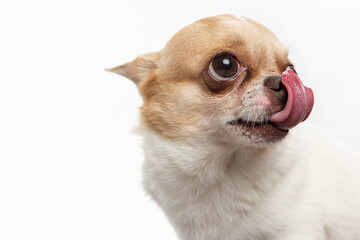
224,67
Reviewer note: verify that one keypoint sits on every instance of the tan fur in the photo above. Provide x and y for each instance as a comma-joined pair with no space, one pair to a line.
164,78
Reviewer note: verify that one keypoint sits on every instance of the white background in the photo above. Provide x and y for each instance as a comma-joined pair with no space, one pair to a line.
69,164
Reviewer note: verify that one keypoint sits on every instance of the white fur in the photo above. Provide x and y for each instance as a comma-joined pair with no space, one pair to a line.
305,187
227,180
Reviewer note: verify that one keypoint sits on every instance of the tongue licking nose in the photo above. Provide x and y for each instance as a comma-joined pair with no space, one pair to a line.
299,103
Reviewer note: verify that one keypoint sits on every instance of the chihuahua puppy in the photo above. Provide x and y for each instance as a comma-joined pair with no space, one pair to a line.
221,161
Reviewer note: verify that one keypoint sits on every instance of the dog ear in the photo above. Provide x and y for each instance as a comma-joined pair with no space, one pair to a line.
138,69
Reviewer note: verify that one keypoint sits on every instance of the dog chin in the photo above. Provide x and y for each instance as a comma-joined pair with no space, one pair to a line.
254,134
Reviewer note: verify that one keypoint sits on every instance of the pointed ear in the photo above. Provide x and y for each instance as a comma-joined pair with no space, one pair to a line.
138,69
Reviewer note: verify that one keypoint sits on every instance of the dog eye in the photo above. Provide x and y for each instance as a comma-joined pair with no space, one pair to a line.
291,67
224,67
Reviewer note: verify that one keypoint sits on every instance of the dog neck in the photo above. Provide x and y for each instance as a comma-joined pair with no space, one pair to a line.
207,163
192,180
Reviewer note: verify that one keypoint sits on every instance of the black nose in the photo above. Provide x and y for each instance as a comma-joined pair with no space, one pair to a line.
274,83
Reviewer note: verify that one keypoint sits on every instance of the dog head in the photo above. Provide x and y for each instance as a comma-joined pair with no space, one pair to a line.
223,78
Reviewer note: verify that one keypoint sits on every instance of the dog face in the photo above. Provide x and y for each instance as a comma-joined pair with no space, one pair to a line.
218,79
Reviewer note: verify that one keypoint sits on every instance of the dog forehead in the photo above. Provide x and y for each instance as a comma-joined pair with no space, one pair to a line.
207,33
193,46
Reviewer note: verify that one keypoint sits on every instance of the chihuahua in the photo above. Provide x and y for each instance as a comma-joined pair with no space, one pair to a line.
224,159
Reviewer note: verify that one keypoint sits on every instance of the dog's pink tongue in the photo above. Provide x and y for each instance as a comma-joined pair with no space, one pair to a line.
299,103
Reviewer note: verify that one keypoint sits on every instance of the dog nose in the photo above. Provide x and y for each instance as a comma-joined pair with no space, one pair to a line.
274,83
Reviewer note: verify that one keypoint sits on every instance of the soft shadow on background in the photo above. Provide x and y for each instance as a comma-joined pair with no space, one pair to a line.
70,167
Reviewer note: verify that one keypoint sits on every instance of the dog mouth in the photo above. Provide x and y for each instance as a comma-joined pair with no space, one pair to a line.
252,124
247,123
299,103
264,131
